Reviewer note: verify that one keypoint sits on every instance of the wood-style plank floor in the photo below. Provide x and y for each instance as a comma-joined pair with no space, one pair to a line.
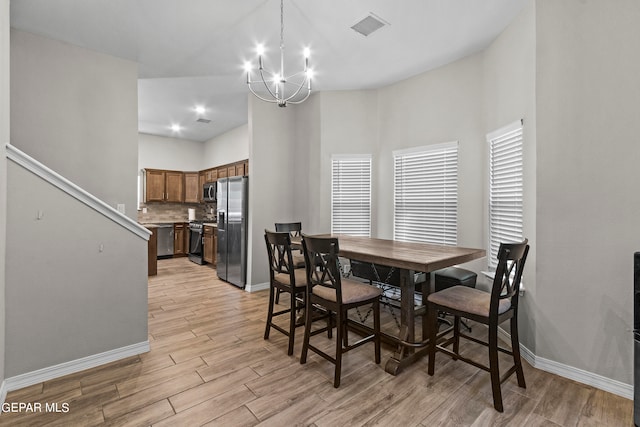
209,365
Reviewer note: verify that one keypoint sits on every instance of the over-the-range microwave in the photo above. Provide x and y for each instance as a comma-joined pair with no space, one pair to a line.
209,192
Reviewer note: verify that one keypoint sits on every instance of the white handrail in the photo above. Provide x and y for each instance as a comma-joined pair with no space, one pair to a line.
52,177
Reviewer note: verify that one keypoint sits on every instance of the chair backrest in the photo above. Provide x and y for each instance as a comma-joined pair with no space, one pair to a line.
321,261
279,252
506,282
293,228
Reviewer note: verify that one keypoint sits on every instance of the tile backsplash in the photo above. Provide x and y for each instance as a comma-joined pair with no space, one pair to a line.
175,212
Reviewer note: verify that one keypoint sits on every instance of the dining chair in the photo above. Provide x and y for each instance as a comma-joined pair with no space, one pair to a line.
327,289
294,229
283,277
489,308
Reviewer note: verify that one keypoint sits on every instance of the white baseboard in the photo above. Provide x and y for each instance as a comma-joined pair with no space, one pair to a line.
572,373
73,366
257,287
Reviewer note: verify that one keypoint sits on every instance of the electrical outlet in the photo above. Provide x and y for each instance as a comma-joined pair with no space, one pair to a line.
120,208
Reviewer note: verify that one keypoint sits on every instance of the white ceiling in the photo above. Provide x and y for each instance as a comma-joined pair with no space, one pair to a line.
192,52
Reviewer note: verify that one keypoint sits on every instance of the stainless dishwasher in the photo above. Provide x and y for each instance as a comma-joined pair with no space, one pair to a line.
165,240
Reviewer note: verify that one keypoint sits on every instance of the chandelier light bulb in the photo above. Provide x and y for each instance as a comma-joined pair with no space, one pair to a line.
260,49
306,52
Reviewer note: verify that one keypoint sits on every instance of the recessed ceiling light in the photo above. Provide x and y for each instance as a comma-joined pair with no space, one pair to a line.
200,109
176,128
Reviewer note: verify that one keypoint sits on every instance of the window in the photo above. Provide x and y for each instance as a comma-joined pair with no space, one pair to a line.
351,195
426,194
505,188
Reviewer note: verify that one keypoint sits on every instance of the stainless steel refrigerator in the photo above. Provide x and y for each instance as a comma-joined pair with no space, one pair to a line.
232,230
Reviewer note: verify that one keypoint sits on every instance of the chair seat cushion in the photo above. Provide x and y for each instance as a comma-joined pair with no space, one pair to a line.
469,300
352,291
298,260
300,275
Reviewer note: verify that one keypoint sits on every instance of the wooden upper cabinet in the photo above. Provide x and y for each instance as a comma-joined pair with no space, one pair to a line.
154,186
186,187
192,188
212,175
164,186
174,187
203,181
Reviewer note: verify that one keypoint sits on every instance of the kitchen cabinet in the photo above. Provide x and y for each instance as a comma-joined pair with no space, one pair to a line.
154,185
203,181
209,247
222,172
212,175
179,247
186,238
164,186
174,186
152,250
192,188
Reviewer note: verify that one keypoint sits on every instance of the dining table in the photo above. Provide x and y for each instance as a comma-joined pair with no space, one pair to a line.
414,261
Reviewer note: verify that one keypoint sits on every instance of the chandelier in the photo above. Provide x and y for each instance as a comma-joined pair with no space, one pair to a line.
280,88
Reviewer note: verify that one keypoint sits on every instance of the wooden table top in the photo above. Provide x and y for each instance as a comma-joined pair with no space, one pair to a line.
423,257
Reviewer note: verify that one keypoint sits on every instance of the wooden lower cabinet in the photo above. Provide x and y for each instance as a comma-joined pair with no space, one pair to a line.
153,252
209,247
179,247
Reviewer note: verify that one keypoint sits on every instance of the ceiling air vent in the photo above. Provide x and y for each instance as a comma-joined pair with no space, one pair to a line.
201,120
369,24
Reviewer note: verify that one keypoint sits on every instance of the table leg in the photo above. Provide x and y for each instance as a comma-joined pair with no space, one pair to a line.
402,357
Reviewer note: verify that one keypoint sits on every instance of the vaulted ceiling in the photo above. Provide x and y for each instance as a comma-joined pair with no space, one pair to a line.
192,52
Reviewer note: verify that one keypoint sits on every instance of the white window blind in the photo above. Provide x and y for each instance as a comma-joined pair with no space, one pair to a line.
351,195
505,188
426,194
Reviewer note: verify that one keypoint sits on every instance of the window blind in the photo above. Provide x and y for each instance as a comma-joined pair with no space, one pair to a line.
426,194
505,188
351,195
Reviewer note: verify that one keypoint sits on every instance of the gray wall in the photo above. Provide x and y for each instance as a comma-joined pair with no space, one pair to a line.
588,122
159,152
78,113
443,105
65,299
4,138
509,95
226,148
271,178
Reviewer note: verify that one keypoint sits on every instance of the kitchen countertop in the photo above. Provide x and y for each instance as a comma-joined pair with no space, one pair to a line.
158,223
